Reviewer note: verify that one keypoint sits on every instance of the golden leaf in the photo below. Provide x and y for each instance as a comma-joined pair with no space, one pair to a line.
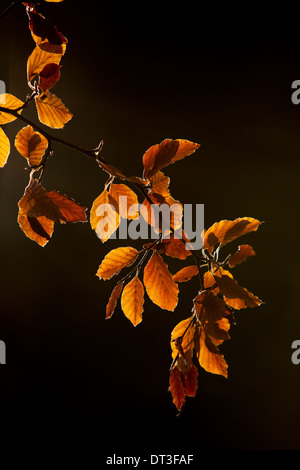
116,260
9,101
159,284
31,145
104,217
51,110
44,54
4,148
227,230
132,301
186,273
243,252
111,305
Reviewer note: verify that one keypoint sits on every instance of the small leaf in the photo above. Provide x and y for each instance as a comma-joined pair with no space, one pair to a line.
70,210
182,343
51,110
243,252
4,148
116,260
169,151
177,388
234,295
186,273
38,229
191,381
125,200
104,217
159,284
132,301
31,145
110,307
9,101
209,357
42,29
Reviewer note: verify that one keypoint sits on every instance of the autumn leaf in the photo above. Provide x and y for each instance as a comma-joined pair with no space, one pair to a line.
235,296
38,229
43,55
104,218
49,76
186,273
4,148
191,381
31,145
125,199
9,101
182,343
209,356
164,214
69,209
42,29
51,110
112,303
243,252
132,301
169,151
159,284
116,260
227,230
177,388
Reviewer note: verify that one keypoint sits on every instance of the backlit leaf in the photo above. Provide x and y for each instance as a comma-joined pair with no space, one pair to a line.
243,252
116,260
191,381
186,273
235,296
51,111
38,229
111,305
9,101
132,300
104,217
125,199
182,343
42,29
4,148
169,151
42,55
177,388
31,145
227,230
209,357
49,76
159,284
69,209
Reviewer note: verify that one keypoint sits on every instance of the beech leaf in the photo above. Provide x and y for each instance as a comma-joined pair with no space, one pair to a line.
31,145
4,148
51,110
116,260
132,301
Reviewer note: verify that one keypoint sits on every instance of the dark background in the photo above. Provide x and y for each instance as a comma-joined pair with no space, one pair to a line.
134,75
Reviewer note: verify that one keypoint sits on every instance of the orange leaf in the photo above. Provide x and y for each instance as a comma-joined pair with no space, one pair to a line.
38,229
227,230
182,343
31,145
243,252
110,307
104,217
209,307
159,284
163,214
186,273
70,210
116,260
132,301
177,388
191,381
9,101
51,110
169,151
160,184
209,357
36,203
125,200
234,295
4,148
42,55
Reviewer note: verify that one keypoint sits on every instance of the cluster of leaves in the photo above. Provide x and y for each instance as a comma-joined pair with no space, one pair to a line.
195,340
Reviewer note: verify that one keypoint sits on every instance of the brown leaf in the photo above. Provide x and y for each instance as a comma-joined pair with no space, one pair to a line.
235,296
42,55
169,151
209,307
191,381
116,260
227,230
159,284
49,76
42,29
70,210
243,252
110,307
132,301
177,388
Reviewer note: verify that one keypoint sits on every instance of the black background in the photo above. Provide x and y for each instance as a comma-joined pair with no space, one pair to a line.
134,75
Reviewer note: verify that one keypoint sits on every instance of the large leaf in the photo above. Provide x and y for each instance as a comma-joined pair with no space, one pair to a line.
9,101
51,111
116,260
227,230
132,300
31,145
